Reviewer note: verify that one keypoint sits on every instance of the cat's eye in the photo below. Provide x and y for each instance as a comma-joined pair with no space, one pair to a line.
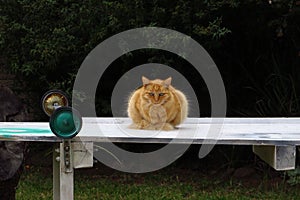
161,94
151,94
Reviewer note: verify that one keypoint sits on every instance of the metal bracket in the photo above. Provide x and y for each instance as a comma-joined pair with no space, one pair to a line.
67,152
82,154
278,157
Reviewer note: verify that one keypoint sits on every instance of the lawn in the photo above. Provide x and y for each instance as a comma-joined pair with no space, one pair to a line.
187,178
169,183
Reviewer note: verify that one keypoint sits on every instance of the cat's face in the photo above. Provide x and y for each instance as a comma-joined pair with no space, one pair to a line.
156,91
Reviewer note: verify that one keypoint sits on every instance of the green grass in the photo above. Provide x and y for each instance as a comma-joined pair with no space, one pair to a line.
37,184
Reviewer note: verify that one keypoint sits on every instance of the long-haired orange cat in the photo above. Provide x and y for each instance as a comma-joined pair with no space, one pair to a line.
157,105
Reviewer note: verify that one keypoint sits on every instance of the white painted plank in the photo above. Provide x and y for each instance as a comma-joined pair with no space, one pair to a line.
233,130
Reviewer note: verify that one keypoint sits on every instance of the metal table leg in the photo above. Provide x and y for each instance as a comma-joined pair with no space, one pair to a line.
66,157
63,172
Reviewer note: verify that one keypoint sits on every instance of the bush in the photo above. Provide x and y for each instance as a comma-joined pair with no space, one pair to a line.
45,42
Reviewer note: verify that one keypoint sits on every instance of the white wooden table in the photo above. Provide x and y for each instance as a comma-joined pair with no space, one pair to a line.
241,131
273,139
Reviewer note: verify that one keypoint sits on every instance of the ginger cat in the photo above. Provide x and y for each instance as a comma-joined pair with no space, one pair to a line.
157,105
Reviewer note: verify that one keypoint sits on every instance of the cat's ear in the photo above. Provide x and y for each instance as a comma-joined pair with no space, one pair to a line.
167,82
145,80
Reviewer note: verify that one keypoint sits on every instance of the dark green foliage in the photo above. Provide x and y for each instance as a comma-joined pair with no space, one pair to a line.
260,58
294,176
45,42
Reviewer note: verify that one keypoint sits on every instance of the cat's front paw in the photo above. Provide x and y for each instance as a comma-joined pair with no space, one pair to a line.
163,126
143,124
167,127
149,126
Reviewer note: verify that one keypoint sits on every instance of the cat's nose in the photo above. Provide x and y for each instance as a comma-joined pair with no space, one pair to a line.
156,102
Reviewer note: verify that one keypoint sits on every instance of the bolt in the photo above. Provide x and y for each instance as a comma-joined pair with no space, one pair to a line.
67,148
